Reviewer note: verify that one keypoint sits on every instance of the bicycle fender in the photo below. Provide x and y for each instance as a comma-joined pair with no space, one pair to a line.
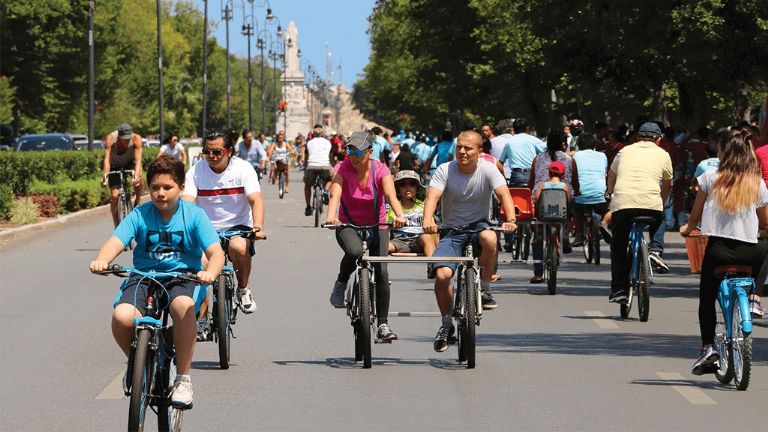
148,321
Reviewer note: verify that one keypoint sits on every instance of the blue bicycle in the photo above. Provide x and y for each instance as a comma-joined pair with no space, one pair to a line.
733,334
640,271
151,367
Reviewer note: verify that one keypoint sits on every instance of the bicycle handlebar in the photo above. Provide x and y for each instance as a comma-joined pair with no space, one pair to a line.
471,230
349,225
132,172
126,271
247,234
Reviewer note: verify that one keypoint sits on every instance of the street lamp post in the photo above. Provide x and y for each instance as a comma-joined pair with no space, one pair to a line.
260,45
91,75
227,17
204,113
160,68
285,82
247,30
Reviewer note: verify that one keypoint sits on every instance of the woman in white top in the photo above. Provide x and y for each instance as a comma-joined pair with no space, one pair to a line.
732,206
172,147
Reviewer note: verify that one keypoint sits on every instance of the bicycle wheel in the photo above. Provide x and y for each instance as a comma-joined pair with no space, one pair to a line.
587,247
470,315
724,372
550,263
526,251
364,326
318,204
741,347
353,310
643,283
625,309
221,313
169,419
595,240
281,185
140,382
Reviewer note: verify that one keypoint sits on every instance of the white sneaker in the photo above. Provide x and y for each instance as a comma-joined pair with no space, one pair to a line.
246,300
181,394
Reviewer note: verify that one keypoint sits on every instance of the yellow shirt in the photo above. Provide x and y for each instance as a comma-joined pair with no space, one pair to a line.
640,169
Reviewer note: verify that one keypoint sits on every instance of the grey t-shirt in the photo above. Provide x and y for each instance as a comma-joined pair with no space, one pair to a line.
741,226
466,197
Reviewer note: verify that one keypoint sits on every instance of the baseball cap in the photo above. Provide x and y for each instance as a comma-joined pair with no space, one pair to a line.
649,129
360,140
125,131
557,168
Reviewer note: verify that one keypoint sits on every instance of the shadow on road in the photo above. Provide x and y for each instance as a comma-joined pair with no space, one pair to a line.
349,363
709,385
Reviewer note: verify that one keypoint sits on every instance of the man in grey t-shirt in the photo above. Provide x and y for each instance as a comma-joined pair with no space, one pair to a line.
465,186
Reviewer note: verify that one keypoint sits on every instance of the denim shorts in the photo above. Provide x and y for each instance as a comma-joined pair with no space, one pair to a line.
452,244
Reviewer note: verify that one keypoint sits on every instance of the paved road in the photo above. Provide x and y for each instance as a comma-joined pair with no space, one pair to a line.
563,362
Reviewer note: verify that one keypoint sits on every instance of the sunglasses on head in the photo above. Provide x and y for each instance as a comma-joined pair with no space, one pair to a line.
216,152
352,151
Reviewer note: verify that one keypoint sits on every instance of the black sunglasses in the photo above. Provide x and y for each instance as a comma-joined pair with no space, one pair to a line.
216,152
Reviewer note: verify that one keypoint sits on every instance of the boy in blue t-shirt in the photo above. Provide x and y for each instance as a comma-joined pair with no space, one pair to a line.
171,235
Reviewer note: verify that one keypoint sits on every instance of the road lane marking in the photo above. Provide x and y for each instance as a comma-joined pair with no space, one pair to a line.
113,390
602,320
692,394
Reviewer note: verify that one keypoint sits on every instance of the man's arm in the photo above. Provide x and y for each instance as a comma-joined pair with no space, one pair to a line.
666,188
257,212
505,198
430,205
137,151
610,182
107,153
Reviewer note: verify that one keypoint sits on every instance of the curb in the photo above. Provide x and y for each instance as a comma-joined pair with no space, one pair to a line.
11,232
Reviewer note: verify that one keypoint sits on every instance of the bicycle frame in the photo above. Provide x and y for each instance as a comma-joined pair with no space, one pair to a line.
738,288
636,238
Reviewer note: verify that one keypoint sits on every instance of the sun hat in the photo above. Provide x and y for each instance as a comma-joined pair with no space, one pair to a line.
408,174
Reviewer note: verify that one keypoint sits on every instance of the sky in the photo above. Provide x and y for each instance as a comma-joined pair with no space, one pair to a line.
340,23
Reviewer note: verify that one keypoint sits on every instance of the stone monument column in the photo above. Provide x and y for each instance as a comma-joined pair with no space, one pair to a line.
295,117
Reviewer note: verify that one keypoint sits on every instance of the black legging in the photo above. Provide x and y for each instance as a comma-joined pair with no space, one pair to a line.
621,225
723,251
352,245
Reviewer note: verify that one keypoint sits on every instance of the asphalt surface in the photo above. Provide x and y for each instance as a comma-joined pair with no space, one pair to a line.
563,362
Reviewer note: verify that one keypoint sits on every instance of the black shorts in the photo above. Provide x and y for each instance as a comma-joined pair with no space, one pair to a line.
113,180
310,174
134,291
581,209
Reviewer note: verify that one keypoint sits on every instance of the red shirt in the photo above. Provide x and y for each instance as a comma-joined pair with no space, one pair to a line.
762,156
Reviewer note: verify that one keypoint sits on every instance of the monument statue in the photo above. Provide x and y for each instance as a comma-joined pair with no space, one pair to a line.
294,116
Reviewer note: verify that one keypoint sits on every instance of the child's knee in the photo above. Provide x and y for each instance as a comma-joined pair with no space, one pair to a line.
124,314
181,306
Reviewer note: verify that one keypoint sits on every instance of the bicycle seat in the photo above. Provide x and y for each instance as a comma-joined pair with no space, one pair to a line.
743,270
644,219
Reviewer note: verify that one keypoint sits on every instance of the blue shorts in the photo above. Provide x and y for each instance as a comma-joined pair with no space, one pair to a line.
134,292
452,244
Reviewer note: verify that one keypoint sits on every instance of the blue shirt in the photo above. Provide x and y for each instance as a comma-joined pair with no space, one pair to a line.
422,151
177,245
379,144
521,149
591,166
706,165
442,151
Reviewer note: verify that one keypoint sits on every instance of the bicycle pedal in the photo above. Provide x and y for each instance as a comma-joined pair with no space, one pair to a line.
381,341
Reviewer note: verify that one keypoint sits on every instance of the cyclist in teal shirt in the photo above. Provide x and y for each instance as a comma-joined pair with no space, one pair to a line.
171,235
443,151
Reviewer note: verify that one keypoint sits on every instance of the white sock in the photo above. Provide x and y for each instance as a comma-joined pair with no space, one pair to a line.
186,378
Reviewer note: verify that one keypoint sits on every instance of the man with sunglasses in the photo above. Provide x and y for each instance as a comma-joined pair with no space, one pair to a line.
227,189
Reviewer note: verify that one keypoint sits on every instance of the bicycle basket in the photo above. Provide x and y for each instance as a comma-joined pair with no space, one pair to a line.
552,206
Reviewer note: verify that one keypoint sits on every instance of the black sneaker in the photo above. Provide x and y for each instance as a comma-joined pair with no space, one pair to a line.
326,198
442,337
488,301
658,263
430,271
308,211
707,361
385,334
618,297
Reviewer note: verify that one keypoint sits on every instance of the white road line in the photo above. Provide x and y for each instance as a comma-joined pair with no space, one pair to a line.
692,394
602,320
113,390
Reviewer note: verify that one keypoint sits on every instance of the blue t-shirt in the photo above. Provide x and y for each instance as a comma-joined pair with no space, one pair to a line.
174,246
379,143
520,149
706,165
592,166
442,151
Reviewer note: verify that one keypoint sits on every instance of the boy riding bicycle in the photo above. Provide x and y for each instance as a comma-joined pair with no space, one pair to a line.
170,236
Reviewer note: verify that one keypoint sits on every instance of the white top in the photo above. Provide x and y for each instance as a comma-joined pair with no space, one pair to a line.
318,150
175,151
224,197
742,226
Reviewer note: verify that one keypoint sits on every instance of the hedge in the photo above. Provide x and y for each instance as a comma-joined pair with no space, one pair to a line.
20,169
73,195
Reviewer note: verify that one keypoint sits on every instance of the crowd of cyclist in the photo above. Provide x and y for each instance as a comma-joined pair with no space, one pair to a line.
415,186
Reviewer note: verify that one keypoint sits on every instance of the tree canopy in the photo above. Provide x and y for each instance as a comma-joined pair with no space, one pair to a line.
43,73
686,61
